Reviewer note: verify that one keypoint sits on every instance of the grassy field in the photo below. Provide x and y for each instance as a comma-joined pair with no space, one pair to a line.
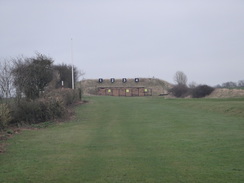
127,140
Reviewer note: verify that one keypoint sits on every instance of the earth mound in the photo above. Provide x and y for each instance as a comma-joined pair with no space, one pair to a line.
158,86
226,93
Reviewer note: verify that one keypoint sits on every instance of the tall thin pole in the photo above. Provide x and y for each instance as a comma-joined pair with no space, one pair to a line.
72,61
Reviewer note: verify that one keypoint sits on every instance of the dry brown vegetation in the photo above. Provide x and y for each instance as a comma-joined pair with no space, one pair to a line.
226,93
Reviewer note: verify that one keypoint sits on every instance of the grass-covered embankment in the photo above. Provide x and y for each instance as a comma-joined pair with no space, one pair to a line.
117,139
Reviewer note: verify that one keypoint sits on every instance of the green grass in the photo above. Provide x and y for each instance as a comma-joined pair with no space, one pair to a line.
122,139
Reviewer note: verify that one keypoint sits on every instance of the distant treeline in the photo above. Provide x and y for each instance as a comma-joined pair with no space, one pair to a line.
231,84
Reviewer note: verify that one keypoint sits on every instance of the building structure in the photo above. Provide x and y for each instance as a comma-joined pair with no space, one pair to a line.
125,87
125,91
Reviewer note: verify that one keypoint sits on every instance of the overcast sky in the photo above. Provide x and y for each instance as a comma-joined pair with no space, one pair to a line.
130,38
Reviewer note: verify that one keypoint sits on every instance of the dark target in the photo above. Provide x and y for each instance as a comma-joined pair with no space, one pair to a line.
100,80
112,80
124,80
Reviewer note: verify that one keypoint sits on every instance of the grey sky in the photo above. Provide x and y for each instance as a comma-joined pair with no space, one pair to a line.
131,38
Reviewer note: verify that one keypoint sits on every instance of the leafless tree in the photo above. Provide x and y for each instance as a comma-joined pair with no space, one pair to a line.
241,83
229,84
192,85
180,78
65,72
32,75
6,79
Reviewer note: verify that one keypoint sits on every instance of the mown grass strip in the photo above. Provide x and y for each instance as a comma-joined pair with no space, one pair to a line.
132,140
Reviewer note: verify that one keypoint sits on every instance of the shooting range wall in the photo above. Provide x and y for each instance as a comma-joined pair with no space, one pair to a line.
127,92
118,87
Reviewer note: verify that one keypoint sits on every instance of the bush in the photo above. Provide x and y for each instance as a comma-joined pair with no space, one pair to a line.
67,96
37,111
5,116
202,91
180,90
52,105
56,109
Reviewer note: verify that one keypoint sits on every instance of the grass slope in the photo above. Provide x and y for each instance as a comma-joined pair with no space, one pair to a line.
134,140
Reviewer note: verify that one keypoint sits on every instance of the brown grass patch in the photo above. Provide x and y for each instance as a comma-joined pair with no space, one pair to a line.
226,93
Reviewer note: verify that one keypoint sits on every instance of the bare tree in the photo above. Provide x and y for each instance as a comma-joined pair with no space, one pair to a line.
6,79
180,90
180,78
32,75
65,72
241,83
229,84
192,85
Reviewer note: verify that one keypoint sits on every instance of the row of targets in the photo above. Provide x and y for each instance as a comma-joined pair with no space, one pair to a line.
112,80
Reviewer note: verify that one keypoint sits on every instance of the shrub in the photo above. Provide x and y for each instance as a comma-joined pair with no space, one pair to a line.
5,116
202,91
56,109
37,111
67,96
180,90
52,105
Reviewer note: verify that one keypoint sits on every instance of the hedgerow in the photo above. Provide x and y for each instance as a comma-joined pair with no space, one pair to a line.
5,116
52,105
180,91
201,91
